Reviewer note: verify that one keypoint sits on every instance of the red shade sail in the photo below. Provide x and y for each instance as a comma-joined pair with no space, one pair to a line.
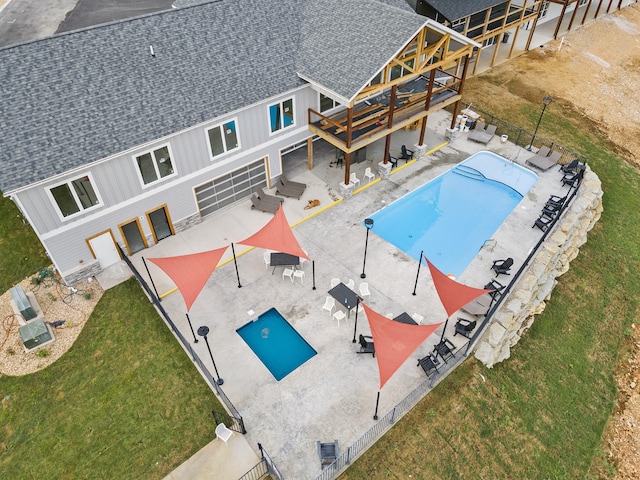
394,341
190,272
276,235
453,295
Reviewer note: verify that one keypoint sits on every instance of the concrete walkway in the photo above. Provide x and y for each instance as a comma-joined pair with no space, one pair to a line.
332,395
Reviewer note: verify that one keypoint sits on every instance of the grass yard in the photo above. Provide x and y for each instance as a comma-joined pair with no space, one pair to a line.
541,413
124,402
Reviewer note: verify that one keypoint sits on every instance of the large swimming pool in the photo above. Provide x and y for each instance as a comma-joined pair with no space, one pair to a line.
452,216
276,343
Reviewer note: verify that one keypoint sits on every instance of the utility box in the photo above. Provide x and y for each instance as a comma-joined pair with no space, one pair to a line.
35,334
23,305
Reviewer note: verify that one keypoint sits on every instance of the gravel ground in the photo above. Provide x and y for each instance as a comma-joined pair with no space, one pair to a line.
56,305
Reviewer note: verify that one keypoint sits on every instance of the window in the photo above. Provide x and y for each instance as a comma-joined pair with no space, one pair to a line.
544,8
327,103
223,138
583,3
458,25
281,115
155,165
490,41
75,196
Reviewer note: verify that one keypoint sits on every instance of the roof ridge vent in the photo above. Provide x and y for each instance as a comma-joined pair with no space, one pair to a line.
153,54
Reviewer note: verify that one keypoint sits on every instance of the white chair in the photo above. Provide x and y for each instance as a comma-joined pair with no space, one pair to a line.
303,260
339,315
223,433
267,259
369,174
334,282
351,284
353,179
288,273
417,317
364,289
389,315
329,305
360,308
299,274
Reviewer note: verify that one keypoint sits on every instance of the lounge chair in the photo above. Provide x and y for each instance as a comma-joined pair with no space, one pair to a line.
366,346
405,154
464,327
429,364
260,204
544,162
290,189
268,198
446,349
328,452
502,266
482,135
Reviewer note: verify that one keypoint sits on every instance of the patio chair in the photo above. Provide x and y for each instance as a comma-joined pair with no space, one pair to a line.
502,266
417,317
543,223
258,204
556,200
571,167
353,179
446,349
429,364
572,179
267,259
299,274
268,198
364,289
464,327
393,161
366,346
369,174
288,272
405,154
328,452
542,161
334,282
329,304
496,288
223,433
351,284
290,189
339,315
482,135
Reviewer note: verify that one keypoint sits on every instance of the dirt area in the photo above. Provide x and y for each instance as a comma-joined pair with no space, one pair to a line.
595,70
58,304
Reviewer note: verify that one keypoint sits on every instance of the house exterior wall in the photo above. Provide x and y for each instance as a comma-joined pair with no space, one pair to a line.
124,198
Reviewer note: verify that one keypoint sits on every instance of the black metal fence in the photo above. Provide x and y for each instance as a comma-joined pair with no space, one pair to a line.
261,470
234,420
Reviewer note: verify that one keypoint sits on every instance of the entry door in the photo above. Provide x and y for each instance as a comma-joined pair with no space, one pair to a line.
160,224
133,236
104,248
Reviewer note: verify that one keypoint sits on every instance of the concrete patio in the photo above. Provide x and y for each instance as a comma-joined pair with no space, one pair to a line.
332,395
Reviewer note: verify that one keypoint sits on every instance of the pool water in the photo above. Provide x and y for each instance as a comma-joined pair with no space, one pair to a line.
276,343
453,215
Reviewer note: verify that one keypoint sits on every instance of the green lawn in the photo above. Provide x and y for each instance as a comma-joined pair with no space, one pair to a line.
125,402
541,413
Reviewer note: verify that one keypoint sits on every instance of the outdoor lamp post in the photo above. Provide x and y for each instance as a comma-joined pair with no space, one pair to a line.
203,331
368,222
546,101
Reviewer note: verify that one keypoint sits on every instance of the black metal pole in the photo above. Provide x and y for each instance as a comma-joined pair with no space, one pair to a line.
545,101
236,264
313,273
355,326
151,279
444,329
418,274
375,415
368,222
195,340
203,331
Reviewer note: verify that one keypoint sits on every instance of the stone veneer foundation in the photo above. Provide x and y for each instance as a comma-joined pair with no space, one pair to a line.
533,288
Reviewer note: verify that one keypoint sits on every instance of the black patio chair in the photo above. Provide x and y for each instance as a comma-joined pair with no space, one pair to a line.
393,161
496,288
556,201
464,327
502,266
366,346
572,178
572,167
429,364
543,223
405,154
328,452
446,349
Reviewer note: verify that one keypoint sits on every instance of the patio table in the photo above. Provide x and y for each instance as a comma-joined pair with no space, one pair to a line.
345,296
279,259
404,317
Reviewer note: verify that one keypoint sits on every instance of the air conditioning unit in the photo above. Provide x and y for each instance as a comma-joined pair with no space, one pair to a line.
22,303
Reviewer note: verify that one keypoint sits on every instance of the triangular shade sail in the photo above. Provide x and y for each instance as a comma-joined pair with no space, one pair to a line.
276,235
394,341
190,272
453,295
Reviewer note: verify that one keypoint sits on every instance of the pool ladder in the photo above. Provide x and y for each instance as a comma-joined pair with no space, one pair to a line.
469,172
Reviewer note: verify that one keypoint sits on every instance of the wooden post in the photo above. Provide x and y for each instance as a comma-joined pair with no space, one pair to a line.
573,16
310,153
427,106
560,18
584,18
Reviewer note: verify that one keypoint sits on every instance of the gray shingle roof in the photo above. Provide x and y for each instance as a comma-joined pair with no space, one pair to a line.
455,9
338,38
82,96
